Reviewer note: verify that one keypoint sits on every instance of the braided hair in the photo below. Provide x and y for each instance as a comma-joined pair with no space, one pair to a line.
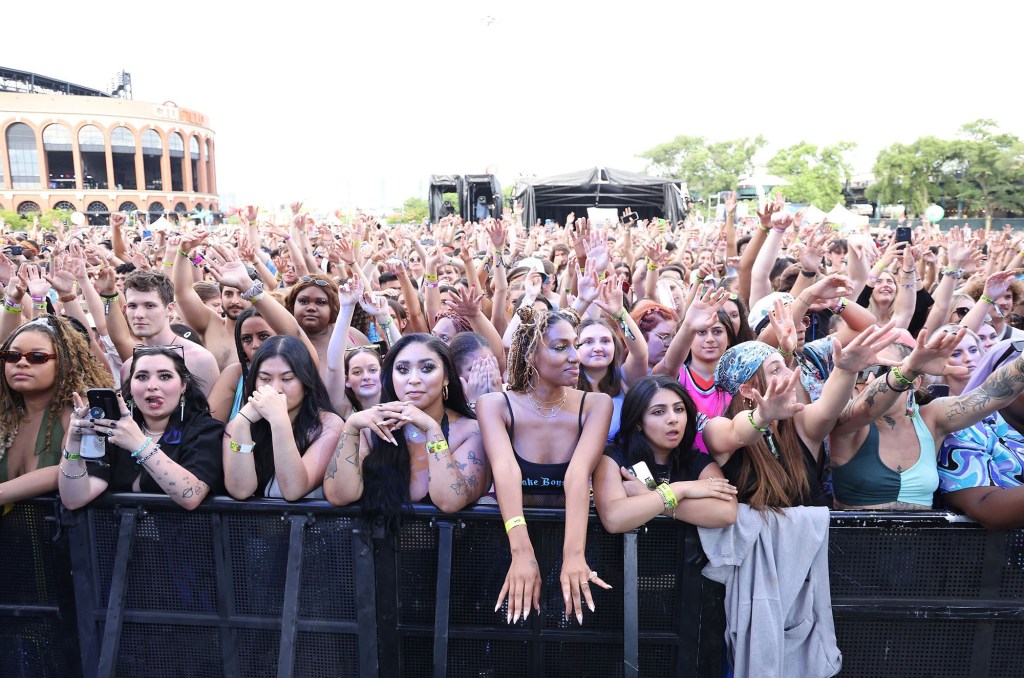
533,325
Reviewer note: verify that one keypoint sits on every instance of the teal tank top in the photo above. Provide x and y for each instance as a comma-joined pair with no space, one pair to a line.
866,481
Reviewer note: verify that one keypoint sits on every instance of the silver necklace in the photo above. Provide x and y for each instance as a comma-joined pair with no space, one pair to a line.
553,407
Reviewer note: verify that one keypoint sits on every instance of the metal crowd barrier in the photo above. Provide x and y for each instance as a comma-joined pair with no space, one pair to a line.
135,586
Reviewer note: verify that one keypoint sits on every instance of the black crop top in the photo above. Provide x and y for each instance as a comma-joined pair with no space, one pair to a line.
540,478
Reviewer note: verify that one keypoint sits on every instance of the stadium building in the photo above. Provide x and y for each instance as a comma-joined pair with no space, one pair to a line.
64,146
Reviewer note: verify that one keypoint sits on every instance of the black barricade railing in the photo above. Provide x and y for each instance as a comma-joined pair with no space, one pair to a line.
266,588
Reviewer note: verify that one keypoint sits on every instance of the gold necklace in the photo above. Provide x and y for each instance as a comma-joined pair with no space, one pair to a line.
553,407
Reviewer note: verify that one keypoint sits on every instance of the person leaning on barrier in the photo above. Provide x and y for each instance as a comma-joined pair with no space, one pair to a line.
421,443
981,467
659,427
548,458
45,362
279,444
165,441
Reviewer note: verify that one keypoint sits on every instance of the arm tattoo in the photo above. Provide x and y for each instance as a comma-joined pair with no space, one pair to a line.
332,467
1004,384
868,396
890,421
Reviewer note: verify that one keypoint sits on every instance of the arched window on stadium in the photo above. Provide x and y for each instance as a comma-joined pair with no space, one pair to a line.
199,207
122,147
60,160
65,206
156,210
193,154
181,208
92,147
128,206
98,213
176,146
152,149
29,207
23,156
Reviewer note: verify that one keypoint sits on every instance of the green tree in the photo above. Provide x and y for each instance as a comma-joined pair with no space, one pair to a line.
988,168
816,174
414,209
706,167
912,174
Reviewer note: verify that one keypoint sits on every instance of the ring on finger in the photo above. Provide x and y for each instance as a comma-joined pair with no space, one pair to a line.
592,576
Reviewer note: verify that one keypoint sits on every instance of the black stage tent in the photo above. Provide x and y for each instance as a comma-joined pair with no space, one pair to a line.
554,197
439,185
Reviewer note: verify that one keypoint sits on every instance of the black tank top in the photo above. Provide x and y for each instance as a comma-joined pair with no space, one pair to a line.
540,478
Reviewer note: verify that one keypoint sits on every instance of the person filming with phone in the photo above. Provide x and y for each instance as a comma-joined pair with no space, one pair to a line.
162,439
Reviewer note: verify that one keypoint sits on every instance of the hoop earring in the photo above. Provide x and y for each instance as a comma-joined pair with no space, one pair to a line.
444,392
533,371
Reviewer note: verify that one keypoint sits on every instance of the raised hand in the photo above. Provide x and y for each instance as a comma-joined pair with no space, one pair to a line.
998,283
466,303
117,219
862,352
827,289
37,285
375,306
350,293
779,399
781,320
610,298
498,234
228,269
586,282
703,311
597,250
251,212
931,355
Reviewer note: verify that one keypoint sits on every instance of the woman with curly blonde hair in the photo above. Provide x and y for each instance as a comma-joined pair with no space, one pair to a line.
544,439
45,362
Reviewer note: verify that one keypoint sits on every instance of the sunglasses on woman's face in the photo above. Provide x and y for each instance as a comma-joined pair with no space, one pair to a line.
33,357
961,311
320,282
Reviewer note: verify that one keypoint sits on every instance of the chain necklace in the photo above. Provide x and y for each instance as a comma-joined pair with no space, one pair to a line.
553,407
151,434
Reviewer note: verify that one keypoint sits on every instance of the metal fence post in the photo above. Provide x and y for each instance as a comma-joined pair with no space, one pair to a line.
630,605
118,593
443,597
366,602
290,608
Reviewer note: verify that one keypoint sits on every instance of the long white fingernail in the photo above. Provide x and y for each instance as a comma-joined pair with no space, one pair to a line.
508,617
591,606
579,618
526,614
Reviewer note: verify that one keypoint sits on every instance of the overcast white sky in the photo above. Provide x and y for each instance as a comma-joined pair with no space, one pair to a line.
359,103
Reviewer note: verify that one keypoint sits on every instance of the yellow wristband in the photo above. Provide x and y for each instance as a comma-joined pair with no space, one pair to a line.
668,497
514,522
437,447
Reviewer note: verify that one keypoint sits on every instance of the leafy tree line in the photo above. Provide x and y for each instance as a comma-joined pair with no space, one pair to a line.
980,171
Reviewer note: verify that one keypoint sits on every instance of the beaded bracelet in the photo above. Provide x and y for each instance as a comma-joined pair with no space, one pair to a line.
149,456
143,446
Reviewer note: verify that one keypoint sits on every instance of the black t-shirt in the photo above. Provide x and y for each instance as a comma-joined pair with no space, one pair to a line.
694,463
197,449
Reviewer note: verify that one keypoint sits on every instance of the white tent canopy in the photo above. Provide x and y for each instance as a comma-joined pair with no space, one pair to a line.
844,217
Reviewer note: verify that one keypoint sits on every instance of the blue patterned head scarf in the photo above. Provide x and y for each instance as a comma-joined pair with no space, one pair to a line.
739,363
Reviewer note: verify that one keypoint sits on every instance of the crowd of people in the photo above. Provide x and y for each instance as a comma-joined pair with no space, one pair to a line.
642,367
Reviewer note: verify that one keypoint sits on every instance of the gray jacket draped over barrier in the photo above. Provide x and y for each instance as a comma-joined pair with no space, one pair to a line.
778,606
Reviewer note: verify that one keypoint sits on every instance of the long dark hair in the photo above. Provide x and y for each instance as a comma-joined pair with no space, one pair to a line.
386,470
193,397
745,333
731,338
630,439
307,426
